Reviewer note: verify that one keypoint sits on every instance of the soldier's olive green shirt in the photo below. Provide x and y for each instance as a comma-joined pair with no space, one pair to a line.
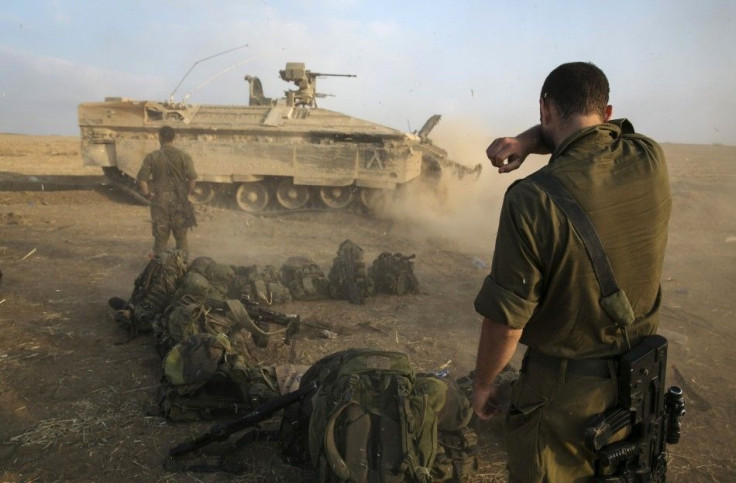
165,167
542,279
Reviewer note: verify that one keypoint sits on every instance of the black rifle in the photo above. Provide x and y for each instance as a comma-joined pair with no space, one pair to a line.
256,312
260,314
221,432
263,316
652,416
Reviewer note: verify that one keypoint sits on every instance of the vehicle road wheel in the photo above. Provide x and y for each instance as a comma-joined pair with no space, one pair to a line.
373,199
203,193
291,196
336,197
252,197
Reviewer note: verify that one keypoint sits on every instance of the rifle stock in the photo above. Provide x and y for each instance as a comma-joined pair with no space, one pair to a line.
652,416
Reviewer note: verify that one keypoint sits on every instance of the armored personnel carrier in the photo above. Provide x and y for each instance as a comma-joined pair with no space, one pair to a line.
272,154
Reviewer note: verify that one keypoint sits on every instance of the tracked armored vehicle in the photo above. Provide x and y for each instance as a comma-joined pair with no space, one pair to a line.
272,154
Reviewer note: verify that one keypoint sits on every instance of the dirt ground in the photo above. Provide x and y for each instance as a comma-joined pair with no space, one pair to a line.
73,400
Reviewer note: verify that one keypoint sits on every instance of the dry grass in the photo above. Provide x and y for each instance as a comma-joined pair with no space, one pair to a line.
91,426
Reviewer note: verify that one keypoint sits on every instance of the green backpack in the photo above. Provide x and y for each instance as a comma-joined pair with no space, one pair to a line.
394,274
348,277
372,419
194,288
261,285
230,318
201,265
304,279
221,277
205,378
154,288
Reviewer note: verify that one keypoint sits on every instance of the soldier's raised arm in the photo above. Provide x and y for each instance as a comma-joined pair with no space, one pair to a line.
507,153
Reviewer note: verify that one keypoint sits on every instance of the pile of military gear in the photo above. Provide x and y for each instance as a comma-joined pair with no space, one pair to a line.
207,316
152,292
204,337
389,274
203,332
299,278
365,415
359,414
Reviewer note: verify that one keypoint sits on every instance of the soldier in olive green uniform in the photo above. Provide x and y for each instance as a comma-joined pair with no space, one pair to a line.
172,176
542,290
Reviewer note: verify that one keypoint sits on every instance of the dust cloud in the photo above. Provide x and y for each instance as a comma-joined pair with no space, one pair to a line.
464,210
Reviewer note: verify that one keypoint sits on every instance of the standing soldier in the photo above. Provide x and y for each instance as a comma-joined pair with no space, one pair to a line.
543,290
171,173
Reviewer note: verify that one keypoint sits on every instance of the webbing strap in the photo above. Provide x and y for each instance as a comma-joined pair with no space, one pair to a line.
583,226
613,300
334,458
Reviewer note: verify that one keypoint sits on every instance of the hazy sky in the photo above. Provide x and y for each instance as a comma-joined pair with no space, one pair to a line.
480,64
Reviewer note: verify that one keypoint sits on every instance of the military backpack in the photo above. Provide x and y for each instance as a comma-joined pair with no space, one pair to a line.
261,284
373,419
206,378
348,277
393,273
304,279
153,291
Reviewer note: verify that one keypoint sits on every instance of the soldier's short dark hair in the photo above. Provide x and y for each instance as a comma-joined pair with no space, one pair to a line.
577,88
166,134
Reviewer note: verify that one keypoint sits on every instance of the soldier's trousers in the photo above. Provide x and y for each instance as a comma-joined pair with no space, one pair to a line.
167,218
545,424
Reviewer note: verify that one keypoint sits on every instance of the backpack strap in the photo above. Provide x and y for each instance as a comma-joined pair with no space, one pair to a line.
407,419
334,458
613,300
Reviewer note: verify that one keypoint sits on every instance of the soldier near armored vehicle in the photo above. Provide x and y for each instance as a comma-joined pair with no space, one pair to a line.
172,178
605,192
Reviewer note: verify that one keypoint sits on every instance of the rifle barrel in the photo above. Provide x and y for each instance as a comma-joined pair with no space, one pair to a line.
221,432
319,74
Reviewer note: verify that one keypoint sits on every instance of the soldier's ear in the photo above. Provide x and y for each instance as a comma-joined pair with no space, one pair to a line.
609,112
547,111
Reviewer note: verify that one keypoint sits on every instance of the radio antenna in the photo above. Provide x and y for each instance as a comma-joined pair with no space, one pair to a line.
228,69
171,96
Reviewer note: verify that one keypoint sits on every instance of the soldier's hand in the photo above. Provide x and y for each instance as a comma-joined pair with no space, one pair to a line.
485,405
506,154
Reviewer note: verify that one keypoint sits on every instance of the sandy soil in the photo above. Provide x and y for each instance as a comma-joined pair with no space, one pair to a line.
73,402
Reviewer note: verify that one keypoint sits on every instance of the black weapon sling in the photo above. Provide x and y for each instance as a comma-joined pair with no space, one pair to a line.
613,299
